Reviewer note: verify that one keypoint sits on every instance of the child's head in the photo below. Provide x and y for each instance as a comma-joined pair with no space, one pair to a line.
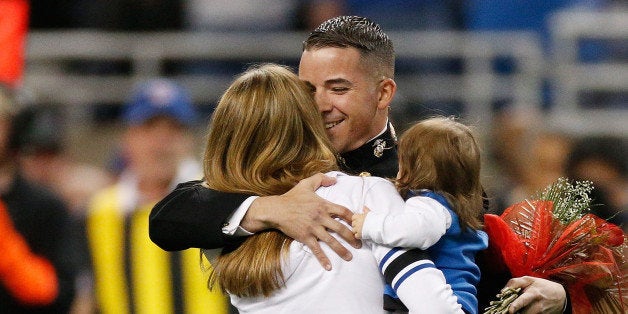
442,155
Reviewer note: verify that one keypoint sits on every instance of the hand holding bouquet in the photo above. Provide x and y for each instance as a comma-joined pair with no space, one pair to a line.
554,237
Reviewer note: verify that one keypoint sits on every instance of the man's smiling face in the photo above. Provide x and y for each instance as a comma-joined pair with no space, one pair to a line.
346,94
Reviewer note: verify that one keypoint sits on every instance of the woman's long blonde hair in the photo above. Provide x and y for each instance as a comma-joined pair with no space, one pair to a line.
265,135
442,155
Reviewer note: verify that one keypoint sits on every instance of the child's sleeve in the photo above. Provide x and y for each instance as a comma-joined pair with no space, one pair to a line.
410,273
425,290
420,224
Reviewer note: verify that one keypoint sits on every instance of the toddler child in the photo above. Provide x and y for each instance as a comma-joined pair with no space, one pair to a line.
439,176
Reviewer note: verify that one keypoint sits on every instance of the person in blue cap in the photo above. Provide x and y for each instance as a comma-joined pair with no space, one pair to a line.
160,97
130,273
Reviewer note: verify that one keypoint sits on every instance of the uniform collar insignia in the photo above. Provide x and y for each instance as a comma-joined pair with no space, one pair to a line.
380,146
371,153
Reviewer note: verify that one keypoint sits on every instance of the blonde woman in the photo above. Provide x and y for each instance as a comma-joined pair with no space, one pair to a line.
265,135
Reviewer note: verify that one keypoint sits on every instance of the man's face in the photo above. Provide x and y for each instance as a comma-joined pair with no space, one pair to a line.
346,94
155,147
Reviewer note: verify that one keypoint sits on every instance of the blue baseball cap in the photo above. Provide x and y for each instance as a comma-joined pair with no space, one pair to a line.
160,97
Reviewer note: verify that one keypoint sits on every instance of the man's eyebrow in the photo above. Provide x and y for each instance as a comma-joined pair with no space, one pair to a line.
337,81
310,85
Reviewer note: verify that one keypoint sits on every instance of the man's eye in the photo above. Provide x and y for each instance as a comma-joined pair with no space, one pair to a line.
340,89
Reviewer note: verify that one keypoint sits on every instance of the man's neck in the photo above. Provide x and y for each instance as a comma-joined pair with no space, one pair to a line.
381,132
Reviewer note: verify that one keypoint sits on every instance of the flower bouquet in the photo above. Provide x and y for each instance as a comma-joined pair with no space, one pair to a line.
554,237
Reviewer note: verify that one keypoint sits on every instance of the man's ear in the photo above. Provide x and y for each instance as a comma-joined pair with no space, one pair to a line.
387,89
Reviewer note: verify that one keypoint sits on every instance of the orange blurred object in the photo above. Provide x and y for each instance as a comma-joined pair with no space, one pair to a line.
30,278
13,30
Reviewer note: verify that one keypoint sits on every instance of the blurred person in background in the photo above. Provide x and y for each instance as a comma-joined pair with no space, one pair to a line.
544,162
43,159
527,156
131,274
37,269
37,266
603,160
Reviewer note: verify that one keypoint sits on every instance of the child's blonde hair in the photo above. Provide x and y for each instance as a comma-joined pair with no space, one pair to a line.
442,155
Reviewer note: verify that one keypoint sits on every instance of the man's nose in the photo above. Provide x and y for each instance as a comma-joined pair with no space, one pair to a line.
323,102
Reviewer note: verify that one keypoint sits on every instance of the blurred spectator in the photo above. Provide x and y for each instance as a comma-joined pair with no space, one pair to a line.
546,160
37,269
528,156
508,142
131,274
603,160
43,160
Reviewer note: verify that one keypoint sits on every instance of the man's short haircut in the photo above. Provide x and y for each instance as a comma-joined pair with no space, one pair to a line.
358,32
